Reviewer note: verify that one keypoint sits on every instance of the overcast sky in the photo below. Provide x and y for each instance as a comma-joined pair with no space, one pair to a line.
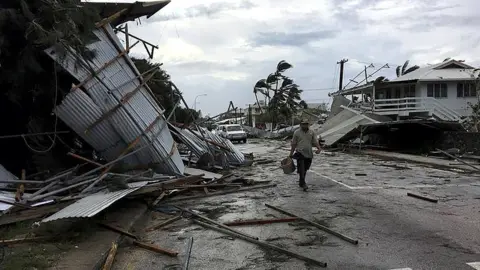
221,48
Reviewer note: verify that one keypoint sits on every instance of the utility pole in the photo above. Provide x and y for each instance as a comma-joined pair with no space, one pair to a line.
340,81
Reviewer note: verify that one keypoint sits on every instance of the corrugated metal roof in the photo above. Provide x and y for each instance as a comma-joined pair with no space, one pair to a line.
135,10
106,91
436,73
6,175
93,204
234,156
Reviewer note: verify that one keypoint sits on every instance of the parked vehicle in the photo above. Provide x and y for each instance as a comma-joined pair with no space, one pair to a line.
233,132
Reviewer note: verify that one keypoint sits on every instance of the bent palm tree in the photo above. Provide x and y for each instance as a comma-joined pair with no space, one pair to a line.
402,70
263,88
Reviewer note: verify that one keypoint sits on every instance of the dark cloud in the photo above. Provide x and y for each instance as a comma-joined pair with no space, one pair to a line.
290,39
210,10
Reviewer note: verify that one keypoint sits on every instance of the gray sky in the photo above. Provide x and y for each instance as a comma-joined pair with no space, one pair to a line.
221,48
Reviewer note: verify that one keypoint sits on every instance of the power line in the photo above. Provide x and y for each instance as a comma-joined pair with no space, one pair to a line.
318,89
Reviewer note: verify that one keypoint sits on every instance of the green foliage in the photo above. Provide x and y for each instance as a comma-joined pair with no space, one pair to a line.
161,87
402,70
283,94
27,27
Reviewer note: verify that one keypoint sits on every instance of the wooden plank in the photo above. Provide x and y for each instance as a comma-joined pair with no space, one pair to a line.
156,249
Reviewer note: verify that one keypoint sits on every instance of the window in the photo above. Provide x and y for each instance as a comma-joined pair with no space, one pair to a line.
466,90
409,91
397,93
437,90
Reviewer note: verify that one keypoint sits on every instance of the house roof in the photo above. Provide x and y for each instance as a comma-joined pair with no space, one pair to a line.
134,10
449,70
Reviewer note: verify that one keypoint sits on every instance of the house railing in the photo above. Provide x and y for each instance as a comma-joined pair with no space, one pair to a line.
399,106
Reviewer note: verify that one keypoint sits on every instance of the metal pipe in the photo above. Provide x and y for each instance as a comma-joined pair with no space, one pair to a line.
45,188
32,134
459,160
221,193
94,183
63,189
216,223
260,221
263,244
422,197
321,227
187,254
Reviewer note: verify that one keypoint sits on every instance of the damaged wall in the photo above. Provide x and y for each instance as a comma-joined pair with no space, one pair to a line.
465,141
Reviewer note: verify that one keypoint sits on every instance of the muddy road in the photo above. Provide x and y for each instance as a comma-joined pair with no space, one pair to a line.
360,196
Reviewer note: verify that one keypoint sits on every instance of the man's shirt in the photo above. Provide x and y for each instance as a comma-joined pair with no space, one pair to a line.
304,142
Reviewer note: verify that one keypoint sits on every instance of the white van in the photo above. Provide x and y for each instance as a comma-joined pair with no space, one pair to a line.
233,132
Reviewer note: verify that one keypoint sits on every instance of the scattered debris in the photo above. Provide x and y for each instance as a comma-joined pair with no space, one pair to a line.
155,248
260,221
321,227
111,256
262,244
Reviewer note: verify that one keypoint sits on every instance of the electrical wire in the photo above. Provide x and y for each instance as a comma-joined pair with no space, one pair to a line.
56,119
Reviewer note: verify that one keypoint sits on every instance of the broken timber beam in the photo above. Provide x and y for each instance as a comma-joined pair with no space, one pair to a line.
108,20
263,244
83,158
156,248
321,227
111,256
118,230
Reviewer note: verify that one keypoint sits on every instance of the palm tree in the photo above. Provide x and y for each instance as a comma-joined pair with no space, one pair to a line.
263,88
282,93
402,70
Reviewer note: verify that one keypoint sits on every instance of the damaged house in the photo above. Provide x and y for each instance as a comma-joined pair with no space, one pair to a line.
88,128
417,106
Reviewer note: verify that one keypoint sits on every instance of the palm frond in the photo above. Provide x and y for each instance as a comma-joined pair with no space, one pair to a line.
282,66
398,71
410,69
272,78
447,59
286,81
405,65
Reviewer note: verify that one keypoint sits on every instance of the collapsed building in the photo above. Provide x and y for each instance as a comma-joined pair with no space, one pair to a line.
418,110
108,125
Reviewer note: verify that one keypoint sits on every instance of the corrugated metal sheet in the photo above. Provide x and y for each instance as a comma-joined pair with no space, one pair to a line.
135,116
6,175
93,204
234,156
194,144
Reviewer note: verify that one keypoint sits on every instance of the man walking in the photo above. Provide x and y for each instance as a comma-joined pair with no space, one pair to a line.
302,142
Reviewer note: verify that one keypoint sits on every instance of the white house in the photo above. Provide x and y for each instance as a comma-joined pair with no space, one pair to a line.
442,91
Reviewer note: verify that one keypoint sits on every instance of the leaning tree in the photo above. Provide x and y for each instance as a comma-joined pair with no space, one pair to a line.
282,93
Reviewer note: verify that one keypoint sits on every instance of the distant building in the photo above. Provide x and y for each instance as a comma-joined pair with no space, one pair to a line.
442,91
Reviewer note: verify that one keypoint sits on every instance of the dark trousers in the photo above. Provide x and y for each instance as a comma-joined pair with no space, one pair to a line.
303,165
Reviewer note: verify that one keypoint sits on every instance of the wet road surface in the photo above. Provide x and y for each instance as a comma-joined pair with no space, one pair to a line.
362,197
